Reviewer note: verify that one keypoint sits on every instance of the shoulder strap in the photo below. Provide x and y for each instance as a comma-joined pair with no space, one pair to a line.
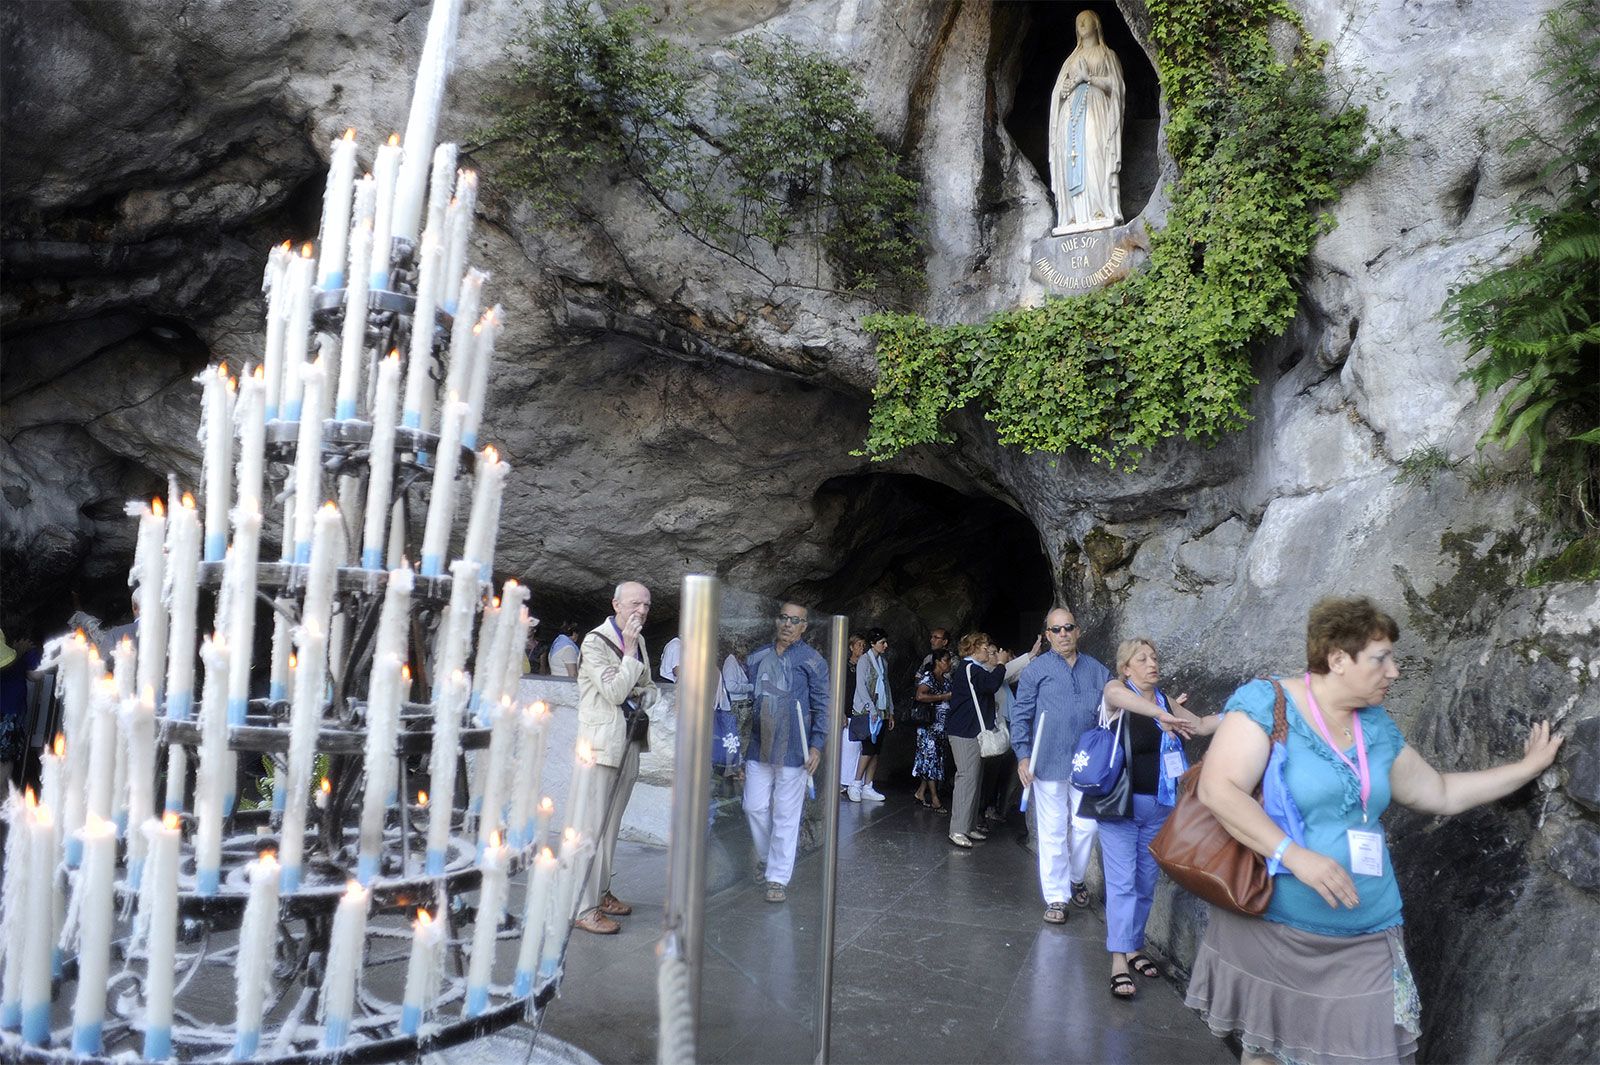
1280,716
607,641
977,707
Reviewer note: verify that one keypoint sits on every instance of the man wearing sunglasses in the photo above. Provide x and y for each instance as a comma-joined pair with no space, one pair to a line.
788,731
1058,697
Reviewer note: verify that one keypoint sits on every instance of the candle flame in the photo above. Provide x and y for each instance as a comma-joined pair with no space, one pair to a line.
394,140
422,798
305,250
169,821
80,636
540,707
584,749
269,855
547,805
350,134
569,836
287,245
423,920
326,786
31,799
490,455
353,889
108,682
158,508
60,746
222,371
494,840
188,501
260,373
294,661
546,854
149,694
394,353
477,328
125,645
330,505
405,673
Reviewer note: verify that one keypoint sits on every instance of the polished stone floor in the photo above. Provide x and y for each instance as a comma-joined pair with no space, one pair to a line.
941,957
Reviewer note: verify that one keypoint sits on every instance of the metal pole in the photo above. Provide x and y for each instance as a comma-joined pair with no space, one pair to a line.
838,661
684,933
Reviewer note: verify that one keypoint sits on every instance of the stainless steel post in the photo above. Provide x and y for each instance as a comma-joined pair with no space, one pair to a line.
838,661
684,932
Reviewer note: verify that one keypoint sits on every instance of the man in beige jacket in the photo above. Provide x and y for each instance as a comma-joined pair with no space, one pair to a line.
614,685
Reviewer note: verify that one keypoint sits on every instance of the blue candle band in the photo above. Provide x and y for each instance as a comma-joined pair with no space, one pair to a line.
173,805
424,459
216,547
228,799
344,410
547,968
435,864
10,1016
180,705
477,1001
206,881
237,709
410,1020
74,852
245,1045
86,1038
469,440
289,879
36,1024
158,1042
523,987
135,873
378,280
336,1033
57,957
269,413
291,410
372,558
335,280
302,552
411,419
366,869
279,800
432,566
120,820
276,691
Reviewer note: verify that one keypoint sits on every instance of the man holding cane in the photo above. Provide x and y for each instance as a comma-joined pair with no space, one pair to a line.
788,731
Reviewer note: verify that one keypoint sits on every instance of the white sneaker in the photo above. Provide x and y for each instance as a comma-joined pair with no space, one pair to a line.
853,793
871,793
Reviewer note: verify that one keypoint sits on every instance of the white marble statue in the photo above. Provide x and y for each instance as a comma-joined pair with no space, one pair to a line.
1086,133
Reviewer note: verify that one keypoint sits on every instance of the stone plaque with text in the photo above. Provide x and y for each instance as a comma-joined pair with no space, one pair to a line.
1075,263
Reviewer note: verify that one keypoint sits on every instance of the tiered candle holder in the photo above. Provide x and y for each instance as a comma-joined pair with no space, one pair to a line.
300,910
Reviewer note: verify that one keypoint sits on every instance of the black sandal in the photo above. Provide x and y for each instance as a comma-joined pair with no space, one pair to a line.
1080,895
1120,981
1144,966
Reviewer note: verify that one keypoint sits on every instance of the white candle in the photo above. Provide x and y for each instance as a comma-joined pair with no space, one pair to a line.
93,906
451,703
441,189
249,414
139,725
442,501
578,789
322,575
149,571
258,937
353,339
558,915
214,783
478,382
491,903
532,731
297,330
336,211
282,643
423,121
241,622
484,521
103,751
38,945
394,619
380,462
215,430
455,632
351,502
482,671
464,336
13,897
536,911
419,362
503,716
383,717
459,218
122,672
422,972
278,301
52,775
385,171
305,720
344,961
308,457
158,916
122,666
183,546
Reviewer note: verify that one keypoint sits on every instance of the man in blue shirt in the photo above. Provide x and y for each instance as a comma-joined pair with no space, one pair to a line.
788,731
1058,697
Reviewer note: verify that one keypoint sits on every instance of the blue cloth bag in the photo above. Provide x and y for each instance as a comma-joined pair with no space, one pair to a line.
1097,762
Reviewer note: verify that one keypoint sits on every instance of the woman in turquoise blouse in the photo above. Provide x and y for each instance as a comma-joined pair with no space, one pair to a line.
1323,978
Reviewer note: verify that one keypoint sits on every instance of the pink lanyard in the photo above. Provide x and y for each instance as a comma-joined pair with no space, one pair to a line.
1364,774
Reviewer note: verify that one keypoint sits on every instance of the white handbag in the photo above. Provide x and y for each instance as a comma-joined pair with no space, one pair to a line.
991,741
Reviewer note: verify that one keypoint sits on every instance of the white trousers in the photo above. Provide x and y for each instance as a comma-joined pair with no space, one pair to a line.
849,759
774,796
1065,839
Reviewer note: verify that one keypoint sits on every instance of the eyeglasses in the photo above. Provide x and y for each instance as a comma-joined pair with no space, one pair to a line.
791,619
1060,630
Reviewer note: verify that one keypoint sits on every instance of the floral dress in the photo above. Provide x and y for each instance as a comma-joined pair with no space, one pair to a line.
930,758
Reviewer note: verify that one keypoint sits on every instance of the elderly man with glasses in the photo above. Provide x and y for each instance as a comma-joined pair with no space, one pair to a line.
788,731
1058,697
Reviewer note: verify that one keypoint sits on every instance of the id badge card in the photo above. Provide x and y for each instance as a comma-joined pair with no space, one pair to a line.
1172,764
1366,851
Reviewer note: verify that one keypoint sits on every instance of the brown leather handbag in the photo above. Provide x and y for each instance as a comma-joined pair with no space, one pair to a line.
1203,857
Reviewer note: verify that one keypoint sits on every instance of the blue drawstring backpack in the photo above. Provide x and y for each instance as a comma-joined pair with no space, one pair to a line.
1097,761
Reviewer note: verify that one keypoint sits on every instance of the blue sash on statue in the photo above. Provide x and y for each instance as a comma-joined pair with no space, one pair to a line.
1076,140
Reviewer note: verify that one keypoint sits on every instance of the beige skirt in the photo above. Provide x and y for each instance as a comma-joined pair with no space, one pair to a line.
1303,998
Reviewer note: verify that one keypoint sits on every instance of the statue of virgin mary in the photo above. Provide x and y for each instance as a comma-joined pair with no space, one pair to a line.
1086,133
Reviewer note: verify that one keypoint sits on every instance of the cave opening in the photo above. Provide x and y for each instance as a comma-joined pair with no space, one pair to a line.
1043,36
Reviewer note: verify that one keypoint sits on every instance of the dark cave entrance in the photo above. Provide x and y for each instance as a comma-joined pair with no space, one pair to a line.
1043,36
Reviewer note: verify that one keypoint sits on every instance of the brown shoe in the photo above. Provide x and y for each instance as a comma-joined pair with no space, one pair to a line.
613,906
598,923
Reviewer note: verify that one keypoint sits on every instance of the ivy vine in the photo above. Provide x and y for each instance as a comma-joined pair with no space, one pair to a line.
1261,147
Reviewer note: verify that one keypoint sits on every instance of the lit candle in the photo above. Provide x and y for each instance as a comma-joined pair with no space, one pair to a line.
183,547
353,340
149,572
93,908
422,122
305,719
530,770
38,936
544,814
380,462
464,336
441,188
394,618
252,426
578,789
455,631
484,521
139,725
491,903
503,717
72,679
482,671
278,684
442,501
241,622
383,718
385,170
215,426
478,381
558,915
308,457
451,703
336,210
322,575
422,972
534,915
419,362
258,938
278,301
52,776
158,917
459,218
344,961
214,783
297,330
